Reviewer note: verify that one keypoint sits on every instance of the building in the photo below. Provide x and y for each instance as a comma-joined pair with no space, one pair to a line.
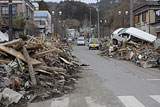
19,7
147,18
43,20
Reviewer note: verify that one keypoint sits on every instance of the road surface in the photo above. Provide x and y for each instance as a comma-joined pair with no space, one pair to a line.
108,82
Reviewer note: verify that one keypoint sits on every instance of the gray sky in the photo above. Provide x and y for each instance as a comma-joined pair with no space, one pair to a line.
86,1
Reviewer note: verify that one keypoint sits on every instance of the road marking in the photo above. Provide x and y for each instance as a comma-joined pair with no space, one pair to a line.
156,97
60,102
93,102
130,101
153,79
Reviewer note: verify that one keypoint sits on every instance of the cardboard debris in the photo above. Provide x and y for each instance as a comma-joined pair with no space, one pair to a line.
35,70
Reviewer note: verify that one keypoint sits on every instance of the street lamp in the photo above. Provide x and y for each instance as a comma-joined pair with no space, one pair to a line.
126,12
60,13
53,13
55,25
119,12
103,22
123,16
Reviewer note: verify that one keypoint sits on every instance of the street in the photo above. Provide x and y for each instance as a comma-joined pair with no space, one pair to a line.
80,53
108,82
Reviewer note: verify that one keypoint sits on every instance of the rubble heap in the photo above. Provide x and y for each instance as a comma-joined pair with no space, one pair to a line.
35,70
144,55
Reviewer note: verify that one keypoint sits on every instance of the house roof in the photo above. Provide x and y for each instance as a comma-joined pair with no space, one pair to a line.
145,7
17,1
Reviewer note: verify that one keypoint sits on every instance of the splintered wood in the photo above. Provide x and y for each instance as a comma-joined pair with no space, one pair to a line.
30,66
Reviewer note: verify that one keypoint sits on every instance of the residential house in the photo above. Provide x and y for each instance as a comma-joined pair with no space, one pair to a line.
19,7
147,18
43,20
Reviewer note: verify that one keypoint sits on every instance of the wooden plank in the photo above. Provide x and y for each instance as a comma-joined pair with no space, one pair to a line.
34,47
5,61
30,66
17,54
67,62
51,69
11,43
43,62
3,53
58,51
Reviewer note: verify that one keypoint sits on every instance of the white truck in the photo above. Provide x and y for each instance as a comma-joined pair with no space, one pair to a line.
125,34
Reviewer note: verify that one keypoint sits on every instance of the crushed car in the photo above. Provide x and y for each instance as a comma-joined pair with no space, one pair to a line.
131,33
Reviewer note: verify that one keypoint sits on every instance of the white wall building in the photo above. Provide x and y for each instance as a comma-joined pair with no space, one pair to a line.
43,20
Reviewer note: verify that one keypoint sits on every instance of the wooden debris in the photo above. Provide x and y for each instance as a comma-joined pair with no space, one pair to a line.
142,54
46,52
30,66
34,47
51,69
3,53
11,43
67,62
17,54
5,61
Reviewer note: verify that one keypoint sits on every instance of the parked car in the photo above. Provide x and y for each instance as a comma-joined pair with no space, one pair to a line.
131,33
80,41
94,43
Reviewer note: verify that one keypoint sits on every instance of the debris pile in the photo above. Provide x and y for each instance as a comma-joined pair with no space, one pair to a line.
35,70
144,55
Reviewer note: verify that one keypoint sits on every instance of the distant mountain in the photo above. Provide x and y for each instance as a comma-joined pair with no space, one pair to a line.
106,5
52,5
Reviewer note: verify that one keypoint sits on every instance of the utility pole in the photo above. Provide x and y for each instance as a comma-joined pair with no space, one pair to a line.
98,20
131,13
90,22
10,20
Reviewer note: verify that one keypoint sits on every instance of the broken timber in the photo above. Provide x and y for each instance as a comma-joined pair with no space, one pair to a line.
17,54
30,66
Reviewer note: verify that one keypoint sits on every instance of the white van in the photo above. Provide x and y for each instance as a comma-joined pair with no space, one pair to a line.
126,34
80,41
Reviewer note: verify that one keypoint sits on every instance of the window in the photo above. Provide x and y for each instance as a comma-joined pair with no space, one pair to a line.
135,39
136,19
42,22
13,9
144,16
125,35
28,12
5,10
37,22
157,12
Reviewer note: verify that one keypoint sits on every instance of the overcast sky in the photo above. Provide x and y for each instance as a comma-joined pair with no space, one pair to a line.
86,1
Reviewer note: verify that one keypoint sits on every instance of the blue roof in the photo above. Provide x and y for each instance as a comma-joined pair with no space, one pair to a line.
40,14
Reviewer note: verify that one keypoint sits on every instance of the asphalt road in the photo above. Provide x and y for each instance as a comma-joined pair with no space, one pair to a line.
130,83
108,82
